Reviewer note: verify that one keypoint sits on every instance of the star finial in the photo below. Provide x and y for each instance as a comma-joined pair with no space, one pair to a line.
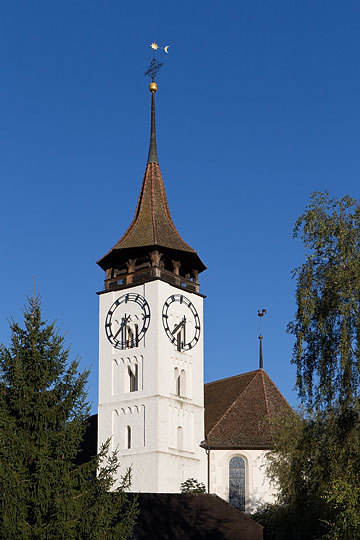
155,46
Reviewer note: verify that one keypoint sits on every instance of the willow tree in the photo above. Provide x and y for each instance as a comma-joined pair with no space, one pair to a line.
327,321
44,494
315,461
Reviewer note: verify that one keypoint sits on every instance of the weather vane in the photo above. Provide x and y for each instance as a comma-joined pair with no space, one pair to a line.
155,65
261,314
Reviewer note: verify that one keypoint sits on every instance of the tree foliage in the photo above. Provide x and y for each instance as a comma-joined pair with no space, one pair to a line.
191,485
315,466
327,322
43,412
315,462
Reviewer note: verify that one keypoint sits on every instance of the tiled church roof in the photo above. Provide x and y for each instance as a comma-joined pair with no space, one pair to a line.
236,410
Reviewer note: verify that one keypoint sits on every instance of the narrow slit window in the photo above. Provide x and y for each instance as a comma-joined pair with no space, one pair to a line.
180,438
133,372
129,338
182,383
176,381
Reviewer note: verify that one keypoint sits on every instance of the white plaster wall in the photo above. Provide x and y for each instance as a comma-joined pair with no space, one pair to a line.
134,417
120,383
258,489
154,412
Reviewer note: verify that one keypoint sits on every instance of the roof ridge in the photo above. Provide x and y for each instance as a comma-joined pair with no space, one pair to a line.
232,404
249,384
138,209
266,399
167,211
135,216
153,217
272,382
153,184
233,377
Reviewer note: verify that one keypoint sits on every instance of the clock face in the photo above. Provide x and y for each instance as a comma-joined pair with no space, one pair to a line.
127,321
181,322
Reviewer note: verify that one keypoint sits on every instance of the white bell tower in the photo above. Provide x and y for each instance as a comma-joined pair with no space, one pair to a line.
151,384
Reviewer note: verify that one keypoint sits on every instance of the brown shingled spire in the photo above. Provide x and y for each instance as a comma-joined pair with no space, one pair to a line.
152,228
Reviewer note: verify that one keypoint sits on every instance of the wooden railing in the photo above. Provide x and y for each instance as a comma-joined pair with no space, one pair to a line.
149,274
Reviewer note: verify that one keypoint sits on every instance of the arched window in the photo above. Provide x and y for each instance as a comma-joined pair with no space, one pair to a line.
182,378
128,437
237,482
129,338
133,373
180,437
177,381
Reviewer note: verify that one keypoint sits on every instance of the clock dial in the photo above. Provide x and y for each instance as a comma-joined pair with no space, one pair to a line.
181,322
127,321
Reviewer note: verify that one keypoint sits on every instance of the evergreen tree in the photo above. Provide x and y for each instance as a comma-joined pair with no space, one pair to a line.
191,485
43,412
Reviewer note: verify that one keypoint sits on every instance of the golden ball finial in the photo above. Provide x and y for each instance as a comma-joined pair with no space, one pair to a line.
153,87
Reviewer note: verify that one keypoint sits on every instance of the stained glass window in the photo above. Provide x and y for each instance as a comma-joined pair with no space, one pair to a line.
237,482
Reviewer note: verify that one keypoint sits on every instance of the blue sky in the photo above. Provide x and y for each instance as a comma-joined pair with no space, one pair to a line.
257,107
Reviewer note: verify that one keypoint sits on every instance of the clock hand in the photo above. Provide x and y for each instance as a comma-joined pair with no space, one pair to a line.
124,321
178,326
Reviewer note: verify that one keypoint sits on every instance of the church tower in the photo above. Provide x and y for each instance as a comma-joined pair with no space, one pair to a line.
151,401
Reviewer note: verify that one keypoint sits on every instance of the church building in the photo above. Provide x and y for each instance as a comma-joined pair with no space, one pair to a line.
153,404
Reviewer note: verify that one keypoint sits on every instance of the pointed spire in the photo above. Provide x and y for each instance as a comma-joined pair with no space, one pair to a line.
153,157
152,227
